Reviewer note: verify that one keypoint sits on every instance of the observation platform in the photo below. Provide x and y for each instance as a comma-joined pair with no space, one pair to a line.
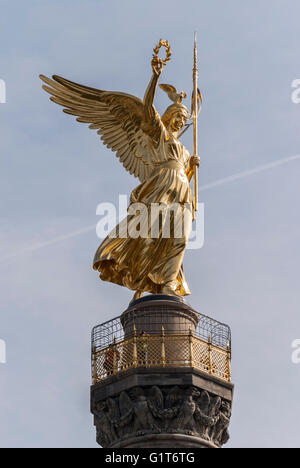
161,377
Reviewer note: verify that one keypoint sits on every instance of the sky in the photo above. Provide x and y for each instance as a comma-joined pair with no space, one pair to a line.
54,172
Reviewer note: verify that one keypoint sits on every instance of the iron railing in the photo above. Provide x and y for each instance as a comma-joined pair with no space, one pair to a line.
207,348
207,328
161,351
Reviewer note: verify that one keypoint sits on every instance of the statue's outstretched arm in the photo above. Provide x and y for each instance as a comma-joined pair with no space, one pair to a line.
150,112
151,117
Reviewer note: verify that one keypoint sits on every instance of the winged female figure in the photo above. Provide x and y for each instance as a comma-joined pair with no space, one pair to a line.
148,146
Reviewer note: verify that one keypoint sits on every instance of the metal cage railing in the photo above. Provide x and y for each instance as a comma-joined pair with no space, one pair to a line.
208,348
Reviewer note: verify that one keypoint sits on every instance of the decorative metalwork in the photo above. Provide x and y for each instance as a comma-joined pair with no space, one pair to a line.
208,348
156,49
103,335
161,351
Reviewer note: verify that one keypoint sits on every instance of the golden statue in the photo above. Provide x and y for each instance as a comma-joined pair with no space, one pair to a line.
148,146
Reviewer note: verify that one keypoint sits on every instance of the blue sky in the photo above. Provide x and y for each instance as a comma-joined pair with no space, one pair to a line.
54,172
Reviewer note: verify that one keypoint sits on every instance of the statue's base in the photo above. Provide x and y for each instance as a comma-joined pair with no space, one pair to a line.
150,313
158,297
155,394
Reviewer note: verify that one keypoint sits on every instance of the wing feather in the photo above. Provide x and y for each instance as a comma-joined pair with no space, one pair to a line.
116,116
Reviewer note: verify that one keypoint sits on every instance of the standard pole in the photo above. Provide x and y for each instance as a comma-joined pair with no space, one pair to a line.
195,121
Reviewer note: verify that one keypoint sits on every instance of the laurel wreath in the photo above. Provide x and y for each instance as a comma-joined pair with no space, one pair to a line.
156,49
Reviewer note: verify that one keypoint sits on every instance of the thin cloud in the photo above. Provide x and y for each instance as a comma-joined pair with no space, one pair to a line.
41,245
242,175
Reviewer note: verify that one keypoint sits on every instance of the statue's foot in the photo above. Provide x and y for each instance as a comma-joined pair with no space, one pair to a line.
138,295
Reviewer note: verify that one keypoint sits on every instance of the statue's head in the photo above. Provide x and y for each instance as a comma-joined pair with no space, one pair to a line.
175,117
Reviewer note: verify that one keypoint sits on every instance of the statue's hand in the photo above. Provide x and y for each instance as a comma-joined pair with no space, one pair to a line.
157,66
194,161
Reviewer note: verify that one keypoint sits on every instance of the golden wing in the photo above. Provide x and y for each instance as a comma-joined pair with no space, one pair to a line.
117,116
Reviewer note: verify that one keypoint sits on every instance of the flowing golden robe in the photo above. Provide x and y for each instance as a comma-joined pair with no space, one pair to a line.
151,263
148,148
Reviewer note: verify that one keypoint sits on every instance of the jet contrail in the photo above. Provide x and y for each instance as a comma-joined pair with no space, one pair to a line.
41,245
242,175
217,183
